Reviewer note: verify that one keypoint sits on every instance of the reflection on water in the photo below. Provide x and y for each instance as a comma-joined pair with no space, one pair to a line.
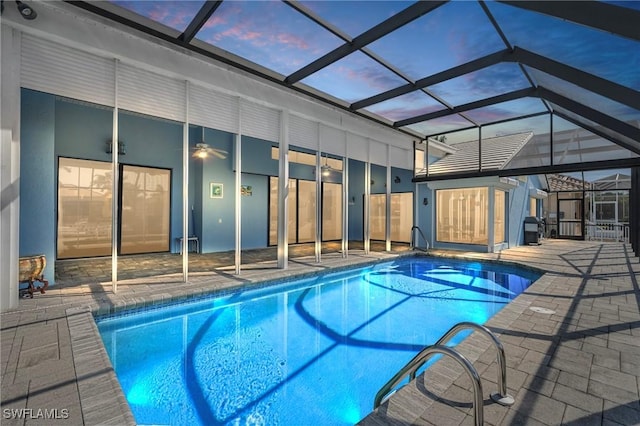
303,355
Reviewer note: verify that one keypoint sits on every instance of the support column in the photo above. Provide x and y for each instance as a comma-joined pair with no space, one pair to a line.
345,207
115,171
283,192
387,226
366,206
9,167
238,202
185,188
318,233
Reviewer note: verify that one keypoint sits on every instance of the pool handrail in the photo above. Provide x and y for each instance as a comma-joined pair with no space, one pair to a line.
410,369
413,245
420,359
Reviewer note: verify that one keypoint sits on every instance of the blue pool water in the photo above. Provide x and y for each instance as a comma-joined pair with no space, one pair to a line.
314,351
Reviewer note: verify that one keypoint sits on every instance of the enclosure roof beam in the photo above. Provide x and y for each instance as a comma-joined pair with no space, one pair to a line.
622,21
409,14
591,114
471,66
601,86
517,94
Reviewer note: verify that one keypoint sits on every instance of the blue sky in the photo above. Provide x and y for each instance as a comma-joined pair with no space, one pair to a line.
274,35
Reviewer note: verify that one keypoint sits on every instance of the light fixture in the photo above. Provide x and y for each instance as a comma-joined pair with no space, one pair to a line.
201,152
26,11
203,149
326,169
122,150
397,179
425,201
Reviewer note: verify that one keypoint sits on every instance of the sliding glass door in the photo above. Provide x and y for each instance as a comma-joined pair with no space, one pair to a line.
301,225
401,217
85,202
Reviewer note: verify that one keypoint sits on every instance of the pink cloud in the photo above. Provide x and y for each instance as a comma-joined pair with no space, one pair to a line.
292,40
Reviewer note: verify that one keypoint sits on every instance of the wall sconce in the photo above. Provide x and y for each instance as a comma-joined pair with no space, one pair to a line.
121,148
352,200
397,179
26,11
373,182
425,201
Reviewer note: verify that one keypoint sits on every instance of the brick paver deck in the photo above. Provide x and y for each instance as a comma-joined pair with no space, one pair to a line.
579,365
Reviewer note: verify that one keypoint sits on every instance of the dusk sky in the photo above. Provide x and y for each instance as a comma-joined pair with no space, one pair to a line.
276,36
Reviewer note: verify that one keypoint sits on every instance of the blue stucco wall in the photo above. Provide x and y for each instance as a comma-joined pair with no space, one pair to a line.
37,178
356,200
216,216
54,127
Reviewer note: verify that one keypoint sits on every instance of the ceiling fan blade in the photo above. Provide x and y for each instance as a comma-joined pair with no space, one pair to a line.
219,154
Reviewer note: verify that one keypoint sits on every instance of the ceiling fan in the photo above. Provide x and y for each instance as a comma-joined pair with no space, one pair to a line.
203,150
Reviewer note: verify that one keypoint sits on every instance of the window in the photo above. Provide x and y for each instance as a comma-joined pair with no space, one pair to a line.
533,211
462,215
499,221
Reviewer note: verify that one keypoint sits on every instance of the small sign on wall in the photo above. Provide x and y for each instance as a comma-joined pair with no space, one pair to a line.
246,190
215,190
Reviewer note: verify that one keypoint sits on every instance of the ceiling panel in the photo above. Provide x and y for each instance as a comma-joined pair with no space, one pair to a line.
174,14
353,78
270,34
594,51
406,106
450,35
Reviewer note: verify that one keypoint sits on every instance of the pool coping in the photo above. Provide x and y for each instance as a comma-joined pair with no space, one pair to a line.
102,398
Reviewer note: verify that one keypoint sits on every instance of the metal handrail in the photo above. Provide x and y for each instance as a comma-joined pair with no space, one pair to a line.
420,359
501,397
413,245
410,369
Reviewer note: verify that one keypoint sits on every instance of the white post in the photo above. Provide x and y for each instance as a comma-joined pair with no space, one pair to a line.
283,192
114,184
387,226
238,180
185,188
10,168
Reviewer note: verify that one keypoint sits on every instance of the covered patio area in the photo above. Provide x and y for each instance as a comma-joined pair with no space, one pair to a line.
577,365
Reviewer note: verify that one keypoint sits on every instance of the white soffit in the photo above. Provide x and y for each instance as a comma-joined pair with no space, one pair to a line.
60,70
332,140
213,109
303,133
377,153
150,93
357,147
259,121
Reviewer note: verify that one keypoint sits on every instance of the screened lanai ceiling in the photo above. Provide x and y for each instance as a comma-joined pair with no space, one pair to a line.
428,68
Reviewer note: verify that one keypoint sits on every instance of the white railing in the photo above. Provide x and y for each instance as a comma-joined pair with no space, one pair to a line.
607,231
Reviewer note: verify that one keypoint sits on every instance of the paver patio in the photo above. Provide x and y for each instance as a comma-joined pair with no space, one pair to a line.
579,365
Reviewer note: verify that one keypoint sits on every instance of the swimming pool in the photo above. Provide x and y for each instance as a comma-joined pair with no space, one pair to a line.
313,351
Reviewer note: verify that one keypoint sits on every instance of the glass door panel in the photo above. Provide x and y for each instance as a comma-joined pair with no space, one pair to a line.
145,210
378,216
273,211
306,211
401,217
570,215
84,208
331,211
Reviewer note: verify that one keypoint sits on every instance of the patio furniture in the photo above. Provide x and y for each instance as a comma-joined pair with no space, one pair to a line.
32,269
